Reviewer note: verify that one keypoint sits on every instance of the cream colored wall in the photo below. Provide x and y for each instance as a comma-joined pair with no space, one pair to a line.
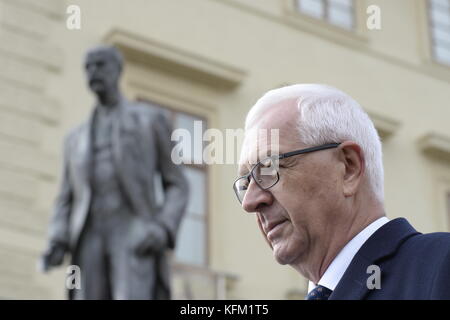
387,71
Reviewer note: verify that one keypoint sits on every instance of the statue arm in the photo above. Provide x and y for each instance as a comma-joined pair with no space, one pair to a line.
59,225
176,188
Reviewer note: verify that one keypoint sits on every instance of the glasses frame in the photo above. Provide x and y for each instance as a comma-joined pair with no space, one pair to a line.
280,157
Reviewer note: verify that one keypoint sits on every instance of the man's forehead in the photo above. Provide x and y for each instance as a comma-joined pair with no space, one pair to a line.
99,54
254,148
259,144
277,115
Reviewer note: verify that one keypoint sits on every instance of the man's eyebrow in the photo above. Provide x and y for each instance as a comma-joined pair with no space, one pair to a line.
266,155
248,165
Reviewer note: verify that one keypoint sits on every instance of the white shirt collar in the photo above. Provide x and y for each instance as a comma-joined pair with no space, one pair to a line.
337,268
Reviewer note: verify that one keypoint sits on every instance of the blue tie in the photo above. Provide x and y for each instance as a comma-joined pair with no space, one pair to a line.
319,293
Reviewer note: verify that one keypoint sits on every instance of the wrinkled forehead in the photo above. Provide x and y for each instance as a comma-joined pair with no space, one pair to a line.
258,144
102,54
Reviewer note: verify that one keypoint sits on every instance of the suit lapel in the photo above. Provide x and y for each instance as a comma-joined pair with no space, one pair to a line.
85,145
117,149
384,242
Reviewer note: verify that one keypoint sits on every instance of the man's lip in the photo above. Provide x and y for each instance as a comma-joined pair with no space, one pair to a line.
274,231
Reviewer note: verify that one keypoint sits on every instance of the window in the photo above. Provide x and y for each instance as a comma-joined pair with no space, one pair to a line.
337,12
191,247
439,15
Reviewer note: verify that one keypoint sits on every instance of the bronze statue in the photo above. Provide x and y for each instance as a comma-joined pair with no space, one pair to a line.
105,215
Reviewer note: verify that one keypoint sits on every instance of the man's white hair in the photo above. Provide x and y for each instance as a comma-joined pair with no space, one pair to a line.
328,115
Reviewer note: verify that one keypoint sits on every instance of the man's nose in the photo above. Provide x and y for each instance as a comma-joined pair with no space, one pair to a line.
255,197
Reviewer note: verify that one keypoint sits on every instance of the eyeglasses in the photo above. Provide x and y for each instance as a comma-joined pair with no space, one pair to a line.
265,172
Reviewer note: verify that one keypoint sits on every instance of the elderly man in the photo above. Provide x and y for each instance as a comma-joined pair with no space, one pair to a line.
106,216
319,200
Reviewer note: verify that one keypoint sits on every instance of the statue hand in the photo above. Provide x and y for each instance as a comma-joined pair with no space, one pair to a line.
53,257
155,240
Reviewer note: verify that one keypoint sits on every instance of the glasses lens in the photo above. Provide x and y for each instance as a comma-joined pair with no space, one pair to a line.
240,187
266,173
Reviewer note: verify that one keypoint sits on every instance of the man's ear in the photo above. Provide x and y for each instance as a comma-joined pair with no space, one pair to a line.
353,159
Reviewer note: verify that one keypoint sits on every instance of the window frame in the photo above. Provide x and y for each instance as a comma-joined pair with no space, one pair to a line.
325,18
448,209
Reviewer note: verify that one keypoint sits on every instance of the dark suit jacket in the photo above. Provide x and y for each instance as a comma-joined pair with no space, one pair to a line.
413,265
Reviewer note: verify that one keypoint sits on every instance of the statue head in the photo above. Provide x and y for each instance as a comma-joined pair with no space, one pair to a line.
103,67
